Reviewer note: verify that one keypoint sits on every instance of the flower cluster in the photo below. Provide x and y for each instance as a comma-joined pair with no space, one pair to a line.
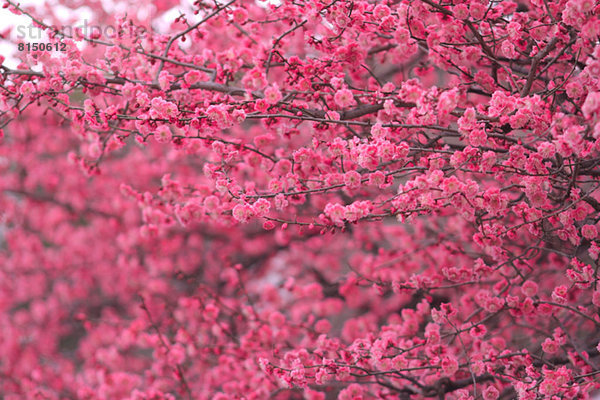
303,199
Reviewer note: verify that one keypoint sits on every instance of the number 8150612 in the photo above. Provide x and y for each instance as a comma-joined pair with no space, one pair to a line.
42,46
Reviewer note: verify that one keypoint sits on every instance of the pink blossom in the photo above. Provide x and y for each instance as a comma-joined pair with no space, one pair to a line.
490,393
165,79
219,115
240,15
461,11
352,179
352,392
336,213
529,288
26,89
559,294
550,346
591,104
261,207
589,232
211,203
477,10
344,98
381,11
163,134
508,49
242,212
272,95
432,333
478,331
323,326
193,76
449,366
448,101
493,304
596,298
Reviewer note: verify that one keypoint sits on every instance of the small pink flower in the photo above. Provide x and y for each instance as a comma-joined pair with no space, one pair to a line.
596,298
377,178
240,15
547,150
550,346
261,207
143,100
432,333
261,105
193,77
163,134
351,213
591,104
165,79
513,29
574,90
211,312
449,366
219,115
529,288
272,95
478,331
468,121
238,115
448,101
548,387
268,225
494,304
352,392
242,212
352,179
322,326
477,137
490,393
211,203
281,202
461,11
478,10
26,89
589,232
94,77
89,107
335,212
508,49
381,11
344,98
336,82
512,301
559,294
94,150
170,110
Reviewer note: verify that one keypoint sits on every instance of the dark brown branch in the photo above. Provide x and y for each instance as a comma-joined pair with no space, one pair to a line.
535,63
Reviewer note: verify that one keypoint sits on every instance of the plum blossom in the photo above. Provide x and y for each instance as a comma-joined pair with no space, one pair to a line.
163,134
449,366
304,200
344,98
352,179
272,95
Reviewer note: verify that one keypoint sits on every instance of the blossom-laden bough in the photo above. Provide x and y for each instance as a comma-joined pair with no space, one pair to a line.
303,199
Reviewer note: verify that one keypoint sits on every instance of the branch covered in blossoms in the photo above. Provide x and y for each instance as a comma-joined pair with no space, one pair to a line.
302,199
